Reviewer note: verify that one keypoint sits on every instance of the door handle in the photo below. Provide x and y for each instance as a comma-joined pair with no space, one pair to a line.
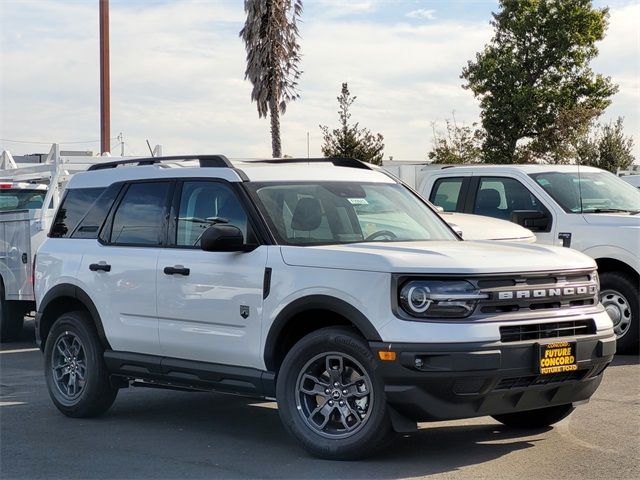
178,269
100,267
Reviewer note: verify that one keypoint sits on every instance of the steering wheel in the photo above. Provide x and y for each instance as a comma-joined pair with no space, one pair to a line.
382,233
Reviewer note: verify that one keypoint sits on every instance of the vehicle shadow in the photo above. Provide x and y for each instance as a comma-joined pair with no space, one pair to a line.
625,360
220,430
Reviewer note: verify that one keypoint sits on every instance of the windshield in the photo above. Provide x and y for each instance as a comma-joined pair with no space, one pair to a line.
21,199
589,192
345,212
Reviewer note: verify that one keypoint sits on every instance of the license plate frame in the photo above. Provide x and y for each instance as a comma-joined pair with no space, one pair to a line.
556,357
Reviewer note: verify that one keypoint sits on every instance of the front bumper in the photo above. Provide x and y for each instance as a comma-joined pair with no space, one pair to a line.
430,382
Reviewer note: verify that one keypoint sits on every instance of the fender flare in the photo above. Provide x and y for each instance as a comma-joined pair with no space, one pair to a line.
316,302
73,291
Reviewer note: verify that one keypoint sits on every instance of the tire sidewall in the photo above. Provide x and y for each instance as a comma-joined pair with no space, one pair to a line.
620,283
361,442
76,324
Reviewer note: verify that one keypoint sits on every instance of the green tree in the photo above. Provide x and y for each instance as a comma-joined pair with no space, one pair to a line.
351,140
459,144
270,35
533,79
606,147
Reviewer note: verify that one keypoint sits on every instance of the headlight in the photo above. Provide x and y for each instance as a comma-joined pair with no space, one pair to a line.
439,298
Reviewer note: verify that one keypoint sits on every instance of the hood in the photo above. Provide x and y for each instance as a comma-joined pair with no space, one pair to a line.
467,257
478,227
613,219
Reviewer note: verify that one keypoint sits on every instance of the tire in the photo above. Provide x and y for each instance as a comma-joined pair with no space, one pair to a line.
11,319
542,417
351,430
73,349
619,295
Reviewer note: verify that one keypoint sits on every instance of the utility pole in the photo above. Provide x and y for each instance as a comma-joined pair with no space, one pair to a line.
105,107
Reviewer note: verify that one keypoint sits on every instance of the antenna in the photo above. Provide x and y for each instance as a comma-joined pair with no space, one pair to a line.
149,146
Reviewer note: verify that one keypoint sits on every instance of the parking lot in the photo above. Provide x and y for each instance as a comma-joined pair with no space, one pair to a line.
165,434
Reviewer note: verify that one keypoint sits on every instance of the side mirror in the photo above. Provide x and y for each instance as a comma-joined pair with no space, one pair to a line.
439,209
456,229
534,220
222,238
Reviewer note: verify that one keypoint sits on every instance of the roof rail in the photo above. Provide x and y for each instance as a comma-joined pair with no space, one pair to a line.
208,161
338,161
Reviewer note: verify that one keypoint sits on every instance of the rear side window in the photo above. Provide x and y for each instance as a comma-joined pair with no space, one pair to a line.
446,193
140,219
73,208
21,199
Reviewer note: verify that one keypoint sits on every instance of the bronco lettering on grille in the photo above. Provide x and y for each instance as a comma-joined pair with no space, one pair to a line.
549,292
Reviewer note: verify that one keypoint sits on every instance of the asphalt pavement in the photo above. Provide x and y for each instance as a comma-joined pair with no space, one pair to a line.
159,434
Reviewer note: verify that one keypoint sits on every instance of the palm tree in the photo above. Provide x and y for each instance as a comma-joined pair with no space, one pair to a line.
270,34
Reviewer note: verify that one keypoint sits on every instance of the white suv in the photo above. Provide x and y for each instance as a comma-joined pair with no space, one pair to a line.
321,283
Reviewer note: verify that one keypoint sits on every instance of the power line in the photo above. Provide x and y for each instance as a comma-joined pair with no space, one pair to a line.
49,143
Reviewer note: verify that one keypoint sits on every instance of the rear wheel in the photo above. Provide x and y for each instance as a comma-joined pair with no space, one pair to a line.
542,417
330,398
619,296
76,376
11,318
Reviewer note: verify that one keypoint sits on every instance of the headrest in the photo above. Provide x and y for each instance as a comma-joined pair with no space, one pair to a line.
307,215
488,198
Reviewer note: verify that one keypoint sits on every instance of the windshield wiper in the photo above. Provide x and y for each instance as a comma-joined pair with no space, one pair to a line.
612,210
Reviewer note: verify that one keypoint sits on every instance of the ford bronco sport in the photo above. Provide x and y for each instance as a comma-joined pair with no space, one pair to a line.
321,283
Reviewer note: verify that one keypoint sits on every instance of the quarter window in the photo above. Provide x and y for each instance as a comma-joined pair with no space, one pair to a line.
139,219
73,208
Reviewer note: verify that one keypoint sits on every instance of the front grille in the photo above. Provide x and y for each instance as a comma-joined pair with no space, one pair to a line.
538,331
537,292
535,380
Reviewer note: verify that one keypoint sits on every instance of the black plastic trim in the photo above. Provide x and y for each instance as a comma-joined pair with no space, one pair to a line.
337,161
191,374
73,291
315,302
266,288
429,382
206,161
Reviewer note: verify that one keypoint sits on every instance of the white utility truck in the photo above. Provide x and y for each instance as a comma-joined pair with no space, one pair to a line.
584,208
29,196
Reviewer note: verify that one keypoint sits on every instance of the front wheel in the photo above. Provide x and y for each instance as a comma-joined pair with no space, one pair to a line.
77,379
542,417
619,296
330,398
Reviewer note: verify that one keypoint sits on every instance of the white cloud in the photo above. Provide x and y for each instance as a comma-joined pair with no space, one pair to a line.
422,13
177,77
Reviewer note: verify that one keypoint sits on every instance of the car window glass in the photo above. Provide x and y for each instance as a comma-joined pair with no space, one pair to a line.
90,225
446,193
139,219
497,197
345,212
203,204
21,199
73,208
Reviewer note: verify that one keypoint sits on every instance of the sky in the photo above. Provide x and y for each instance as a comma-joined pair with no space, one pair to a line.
177,74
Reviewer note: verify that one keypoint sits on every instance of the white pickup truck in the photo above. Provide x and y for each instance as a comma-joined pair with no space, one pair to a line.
584,208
